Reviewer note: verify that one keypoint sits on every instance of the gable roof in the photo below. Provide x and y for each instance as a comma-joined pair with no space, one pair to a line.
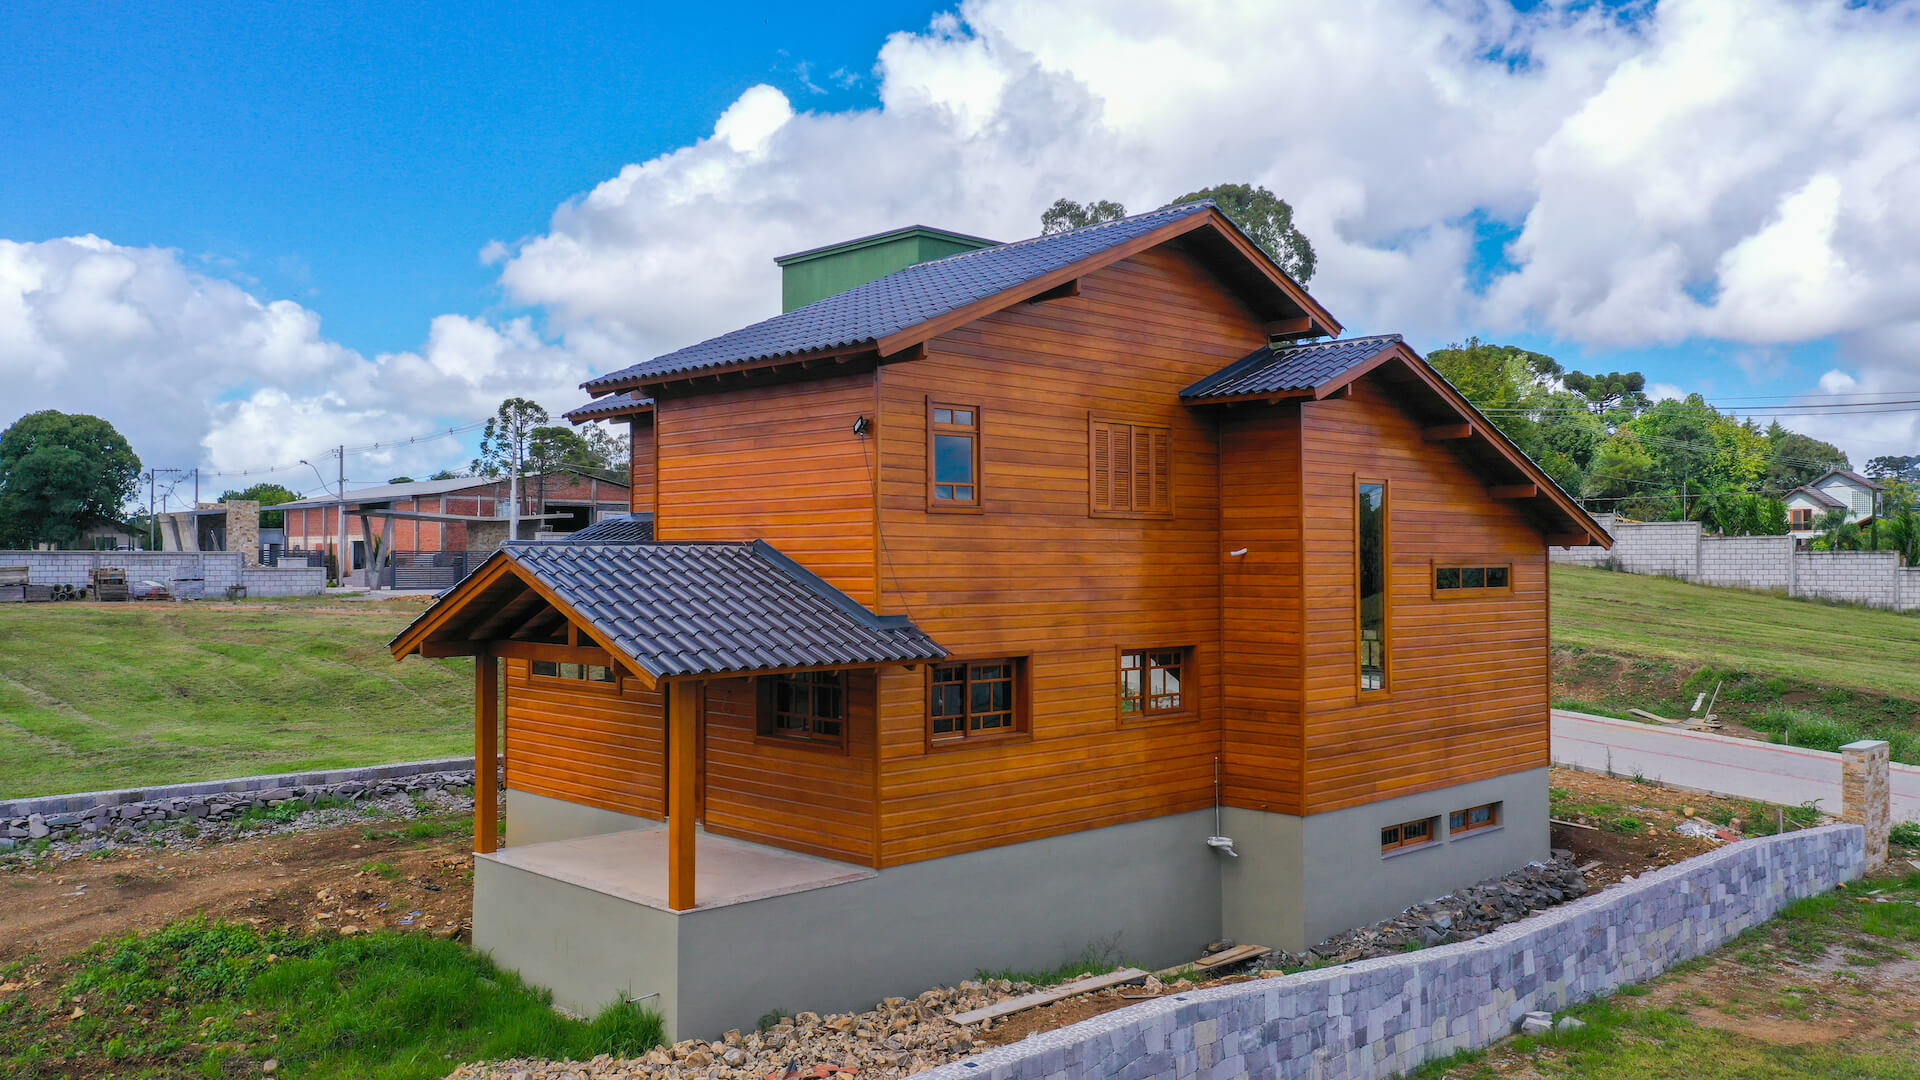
416,488
622,529
908,306
1849,474
625,403
1267,370
1320,369
681,610
1818,496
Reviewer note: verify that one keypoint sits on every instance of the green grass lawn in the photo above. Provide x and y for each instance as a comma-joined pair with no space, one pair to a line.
125,695
1695,625
221,1000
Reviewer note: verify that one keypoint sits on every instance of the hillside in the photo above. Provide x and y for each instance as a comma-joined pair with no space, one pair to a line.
120,695
1816,674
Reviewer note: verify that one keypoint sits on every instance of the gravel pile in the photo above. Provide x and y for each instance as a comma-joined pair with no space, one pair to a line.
1458,916
191,822
898,1037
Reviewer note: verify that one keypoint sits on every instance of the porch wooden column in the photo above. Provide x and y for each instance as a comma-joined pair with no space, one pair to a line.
682,760
486,753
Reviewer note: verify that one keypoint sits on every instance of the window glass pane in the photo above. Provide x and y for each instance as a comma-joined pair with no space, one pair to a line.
1372,585
943,416
1416,830
963,417
1447,577
1457,819
1473,577
545,667
1496,577
1390,836
953,459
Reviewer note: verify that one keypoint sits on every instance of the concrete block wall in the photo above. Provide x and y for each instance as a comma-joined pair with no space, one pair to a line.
218,569
1907,588
1861,577
1386,1017
1746,562
1590,554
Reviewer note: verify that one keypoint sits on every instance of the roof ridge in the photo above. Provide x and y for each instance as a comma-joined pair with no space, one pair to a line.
1082,230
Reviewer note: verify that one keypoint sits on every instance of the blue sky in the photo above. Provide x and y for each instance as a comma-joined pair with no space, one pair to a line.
292,202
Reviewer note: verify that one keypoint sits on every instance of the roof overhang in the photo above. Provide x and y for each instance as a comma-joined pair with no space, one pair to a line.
613,405
1284,307
1449,418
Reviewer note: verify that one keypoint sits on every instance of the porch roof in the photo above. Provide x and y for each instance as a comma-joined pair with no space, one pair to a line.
670,610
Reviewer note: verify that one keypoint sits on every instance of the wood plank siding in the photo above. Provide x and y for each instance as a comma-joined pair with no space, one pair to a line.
1034,573
776,463
805,798
597,744
1467,678
641,458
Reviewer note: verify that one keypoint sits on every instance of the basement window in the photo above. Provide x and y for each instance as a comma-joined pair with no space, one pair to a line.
1408,834
1473,818
586,672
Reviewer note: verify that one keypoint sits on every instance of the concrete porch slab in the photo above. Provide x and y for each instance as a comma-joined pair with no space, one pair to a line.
632,864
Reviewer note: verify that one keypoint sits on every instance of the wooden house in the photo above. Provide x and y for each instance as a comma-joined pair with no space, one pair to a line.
1084,590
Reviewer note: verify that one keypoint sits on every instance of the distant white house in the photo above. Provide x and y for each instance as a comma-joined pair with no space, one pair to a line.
1839,489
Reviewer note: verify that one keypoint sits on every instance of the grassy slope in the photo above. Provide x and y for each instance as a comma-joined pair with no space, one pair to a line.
109,696
1694,625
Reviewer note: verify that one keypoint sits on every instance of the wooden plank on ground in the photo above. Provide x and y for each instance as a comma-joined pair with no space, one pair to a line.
1048,996
1237,954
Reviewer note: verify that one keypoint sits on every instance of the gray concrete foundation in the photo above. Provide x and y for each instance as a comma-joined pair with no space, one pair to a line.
1302,880
537,819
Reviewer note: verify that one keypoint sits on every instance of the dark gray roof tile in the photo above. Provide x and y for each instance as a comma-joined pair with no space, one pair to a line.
610,405
1288,368
905,298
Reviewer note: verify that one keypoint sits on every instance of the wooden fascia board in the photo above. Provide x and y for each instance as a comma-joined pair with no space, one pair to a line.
448,606
1242,399
647,678
934,327
840,354
1484,429
560,654
1271,270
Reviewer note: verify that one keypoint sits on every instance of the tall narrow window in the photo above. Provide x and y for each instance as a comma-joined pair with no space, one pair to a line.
1371,517
953,455
1130,468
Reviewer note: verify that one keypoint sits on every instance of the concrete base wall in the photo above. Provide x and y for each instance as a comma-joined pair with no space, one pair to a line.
536,819
218,569
1146,893
1302,880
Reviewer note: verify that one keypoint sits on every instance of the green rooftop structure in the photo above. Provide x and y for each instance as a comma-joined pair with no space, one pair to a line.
815,274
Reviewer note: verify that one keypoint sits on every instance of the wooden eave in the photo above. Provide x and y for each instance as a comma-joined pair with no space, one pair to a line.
1209,236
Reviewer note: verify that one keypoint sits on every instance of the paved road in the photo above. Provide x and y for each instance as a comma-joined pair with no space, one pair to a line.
1718,764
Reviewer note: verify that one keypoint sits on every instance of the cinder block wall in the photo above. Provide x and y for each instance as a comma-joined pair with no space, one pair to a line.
1860,577
218,569
1746,562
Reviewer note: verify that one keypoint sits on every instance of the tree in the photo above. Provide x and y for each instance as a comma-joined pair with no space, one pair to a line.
1797,460
61,474
266,495
1608,391
611,450
400,480
1066,214
445,474
1267,219
553,448
1904,467
503,442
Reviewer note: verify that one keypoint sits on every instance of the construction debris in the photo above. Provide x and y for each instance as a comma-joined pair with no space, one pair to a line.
1085,985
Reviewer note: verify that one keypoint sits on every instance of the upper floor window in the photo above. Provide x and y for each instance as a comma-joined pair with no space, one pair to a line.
975,698
1130,468
587,672
809,705
953,455
1370,563
1152,682
1469,580
1800,518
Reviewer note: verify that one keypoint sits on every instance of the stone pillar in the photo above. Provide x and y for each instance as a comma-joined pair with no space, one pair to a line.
243,530
1865,794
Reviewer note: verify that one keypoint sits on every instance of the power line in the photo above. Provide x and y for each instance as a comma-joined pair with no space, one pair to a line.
354,451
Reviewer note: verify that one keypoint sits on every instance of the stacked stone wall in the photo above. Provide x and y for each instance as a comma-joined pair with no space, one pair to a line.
1387,1017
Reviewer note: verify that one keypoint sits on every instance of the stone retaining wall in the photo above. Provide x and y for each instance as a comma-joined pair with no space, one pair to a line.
66,817
1386,1017
1677,549
218,569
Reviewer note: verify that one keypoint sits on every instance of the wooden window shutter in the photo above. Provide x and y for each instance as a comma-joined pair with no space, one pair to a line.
1102,466
1130,468
1161,500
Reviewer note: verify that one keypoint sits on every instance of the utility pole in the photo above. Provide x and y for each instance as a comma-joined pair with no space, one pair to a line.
153,523
345,562
513,491
196,487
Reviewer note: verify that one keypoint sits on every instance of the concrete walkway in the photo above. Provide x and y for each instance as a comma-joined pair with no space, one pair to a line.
1716,764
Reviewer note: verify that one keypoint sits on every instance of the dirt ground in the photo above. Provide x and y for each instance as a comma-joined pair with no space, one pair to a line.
297,881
